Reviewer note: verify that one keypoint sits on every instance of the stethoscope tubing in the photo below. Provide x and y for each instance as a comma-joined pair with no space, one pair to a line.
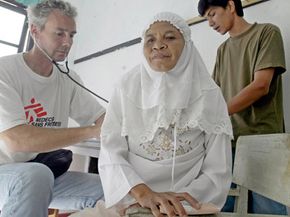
82,86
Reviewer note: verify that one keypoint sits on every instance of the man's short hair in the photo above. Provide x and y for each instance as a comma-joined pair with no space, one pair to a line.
203,6
37,14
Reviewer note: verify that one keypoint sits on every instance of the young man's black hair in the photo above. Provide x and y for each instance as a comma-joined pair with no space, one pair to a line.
203,5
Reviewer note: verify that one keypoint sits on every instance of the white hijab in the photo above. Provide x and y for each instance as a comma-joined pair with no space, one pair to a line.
173,88
187,85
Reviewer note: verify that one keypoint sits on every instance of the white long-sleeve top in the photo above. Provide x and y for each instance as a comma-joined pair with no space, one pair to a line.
180,150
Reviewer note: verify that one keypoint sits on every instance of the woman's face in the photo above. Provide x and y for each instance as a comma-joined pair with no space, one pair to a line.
163,45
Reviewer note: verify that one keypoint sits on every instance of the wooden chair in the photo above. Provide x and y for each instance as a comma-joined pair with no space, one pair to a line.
53,212
262,165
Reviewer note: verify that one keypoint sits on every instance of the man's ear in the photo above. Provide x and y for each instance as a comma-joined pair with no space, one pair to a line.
33,30
232,6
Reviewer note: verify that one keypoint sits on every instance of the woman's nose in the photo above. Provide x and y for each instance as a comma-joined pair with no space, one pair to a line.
159,45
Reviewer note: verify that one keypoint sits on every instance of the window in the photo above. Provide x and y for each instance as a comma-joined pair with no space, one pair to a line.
13,28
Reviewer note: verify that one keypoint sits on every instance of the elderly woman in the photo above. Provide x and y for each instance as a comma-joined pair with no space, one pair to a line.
166,135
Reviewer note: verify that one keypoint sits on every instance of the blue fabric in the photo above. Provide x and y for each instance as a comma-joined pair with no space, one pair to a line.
230,202
28,189
262,205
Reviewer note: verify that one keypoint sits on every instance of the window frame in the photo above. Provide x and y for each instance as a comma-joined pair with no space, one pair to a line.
21,9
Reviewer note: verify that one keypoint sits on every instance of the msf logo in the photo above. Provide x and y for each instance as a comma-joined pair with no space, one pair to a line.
34,110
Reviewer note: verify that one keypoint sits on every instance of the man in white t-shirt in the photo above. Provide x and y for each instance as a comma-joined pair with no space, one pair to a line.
36,101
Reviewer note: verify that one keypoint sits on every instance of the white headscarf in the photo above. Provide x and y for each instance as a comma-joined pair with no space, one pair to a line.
179,88
173,89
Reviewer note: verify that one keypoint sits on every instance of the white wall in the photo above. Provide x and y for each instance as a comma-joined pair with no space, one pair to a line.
102,24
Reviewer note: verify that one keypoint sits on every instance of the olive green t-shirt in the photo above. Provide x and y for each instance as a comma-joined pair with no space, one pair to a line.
238,58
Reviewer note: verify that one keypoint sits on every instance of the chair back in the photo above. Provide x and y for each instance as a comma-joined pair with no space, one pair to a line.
262,165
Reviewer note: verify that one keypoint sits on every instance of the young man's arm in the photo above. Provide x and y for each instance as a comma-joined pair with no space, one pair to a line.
252,92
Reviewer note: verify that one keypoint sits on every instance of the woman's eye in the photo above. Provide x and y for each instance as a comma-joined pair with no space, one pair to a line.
149,40
170,37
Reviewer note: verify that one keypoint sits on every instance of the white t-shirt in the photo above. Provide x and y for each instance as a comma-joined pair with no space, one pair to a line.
28,98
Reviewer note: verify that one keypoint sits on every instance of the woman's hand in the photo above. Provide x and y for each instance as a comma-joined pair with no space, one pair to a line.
168,202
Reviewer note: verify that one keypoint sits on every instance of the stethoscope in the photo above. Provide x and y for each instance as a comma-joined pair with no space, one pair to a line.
67,72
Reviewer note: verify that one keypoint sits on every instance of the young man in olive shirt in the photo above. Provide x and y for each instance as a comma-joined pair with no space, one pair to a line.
248,70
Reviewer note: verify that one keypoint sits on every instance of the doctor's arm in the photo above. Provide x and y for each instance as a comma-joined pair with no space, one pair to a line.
28,138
